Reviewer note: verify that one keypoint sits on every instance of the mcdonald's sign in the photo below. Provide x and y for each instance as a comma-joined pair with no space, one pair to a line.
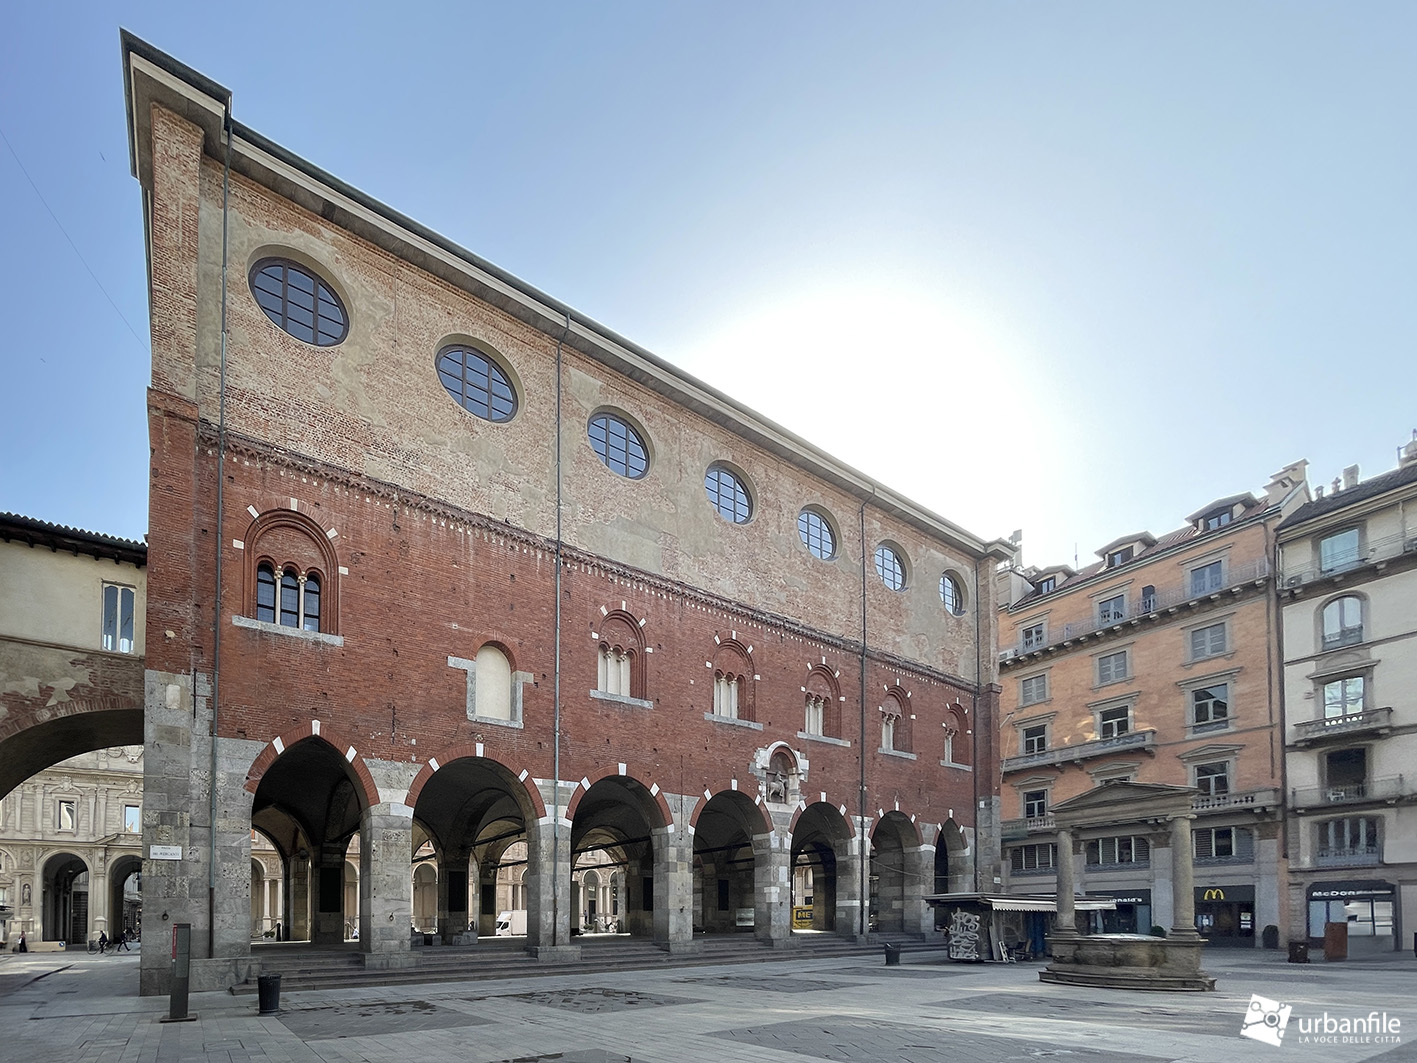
1214,895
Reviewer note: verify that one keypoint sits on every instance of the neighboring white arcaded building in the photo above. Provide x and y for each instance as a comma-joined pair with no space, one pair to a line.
1348,593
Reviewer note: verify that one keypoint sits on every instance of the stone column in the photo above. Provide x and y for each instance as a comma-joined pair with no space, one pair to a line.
853,869
385,886
918,917
772,889
452,897
673,863
1066,925
1183,877
548,890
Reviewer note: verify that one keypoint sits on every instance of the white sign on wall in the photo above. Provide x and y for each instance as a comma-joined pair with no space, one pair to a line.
164,852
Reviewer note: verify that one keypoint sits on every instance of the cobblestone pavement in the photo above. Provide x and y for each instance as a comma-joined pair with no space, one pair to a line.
76,1008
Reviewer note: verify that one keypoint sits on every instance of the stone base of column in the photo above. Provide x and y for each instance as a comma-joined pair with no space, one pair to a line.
790,942
388,961
680,948
555,953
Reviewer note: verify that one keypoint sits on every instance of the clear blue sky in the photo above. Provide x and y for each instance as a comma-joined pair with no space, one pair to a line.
1078,268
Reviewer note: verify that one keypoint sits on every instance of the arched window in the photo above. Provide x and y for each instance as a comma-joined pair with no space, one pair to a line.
620,668
1343,622
293,600
895,723
732,683
823,703
494,684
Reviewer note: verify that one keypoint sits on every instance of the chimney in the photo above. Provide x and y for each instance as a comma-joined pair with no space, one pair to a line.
1408,455
1350,477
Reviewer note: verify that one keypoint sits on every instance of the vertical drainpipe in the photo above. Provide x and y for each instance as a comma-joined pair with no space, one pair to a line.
974,717
864,840
220,525
556,738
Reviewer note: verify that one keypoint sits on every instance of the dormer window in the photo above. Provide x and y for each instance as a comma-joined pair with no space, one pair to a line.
1119,557
1218,519
1047,584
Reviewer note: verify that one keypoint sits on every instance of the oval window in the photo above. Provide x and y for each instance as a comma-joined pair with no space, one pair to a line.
951,595
476,383
816,534
618,445
728,494
890,567
299,302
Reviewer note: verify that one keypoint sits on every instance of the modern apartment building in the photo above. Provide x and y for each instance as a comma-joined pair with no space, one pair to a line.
1154,665
1348,592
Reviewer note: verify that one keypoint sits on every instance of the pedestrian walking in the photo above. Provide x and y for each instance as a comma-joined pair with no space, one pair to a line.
22,947
122,942
102,942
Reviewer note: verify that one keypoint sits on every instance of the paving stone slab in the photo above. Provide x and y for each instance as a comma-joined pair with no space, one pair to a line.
593,1000
868,1041
593,1055
1130,1012
759,984
372,1019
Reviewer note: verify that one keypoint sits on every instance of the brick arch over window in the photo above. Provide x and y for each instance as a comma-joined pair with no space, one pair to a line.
822,685
733,664
621,645
956,736
895,717
283,540
358,770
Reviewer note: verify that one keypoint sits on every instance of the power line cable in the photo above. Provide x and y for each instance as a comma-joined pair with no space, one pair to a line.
75,246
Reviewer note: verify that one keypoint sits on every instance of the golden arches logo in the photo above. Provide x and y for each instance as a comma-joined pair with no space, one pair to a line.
1214,895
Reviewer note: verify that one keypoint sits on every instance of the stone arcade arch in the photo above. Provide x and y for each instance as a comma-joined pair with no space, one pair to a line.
310,803
471,810
618,816
823,855
895,886
730,836
953,867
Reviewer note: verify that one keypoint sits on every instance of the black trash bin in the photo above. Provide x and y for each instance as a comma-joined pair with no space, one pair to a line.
268,993
892,955
1298,952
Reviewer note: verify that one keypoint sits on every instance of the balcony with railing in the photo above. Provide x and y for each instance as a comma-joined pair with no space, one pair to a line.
1014,829
1249,800
1194,588
1349,793
1098,747
1367,722
1363,856
1299,568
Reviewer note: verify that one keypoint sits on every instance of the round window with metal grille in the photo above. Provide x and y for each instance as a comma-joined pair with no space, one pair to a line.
890,567
299,302
728,494
476,383
619,445
817,535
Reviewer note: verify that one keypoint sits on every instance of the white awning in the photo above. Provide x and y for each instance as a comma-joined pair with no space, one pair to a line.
1023,904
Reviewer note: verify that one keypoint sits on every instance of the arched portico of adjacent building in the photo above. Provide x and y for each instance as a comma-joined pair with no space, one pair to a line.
64,885
898,875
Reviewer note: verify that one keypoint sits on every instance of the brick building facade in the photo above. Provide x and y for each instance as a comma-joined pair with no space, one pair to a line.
434,560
